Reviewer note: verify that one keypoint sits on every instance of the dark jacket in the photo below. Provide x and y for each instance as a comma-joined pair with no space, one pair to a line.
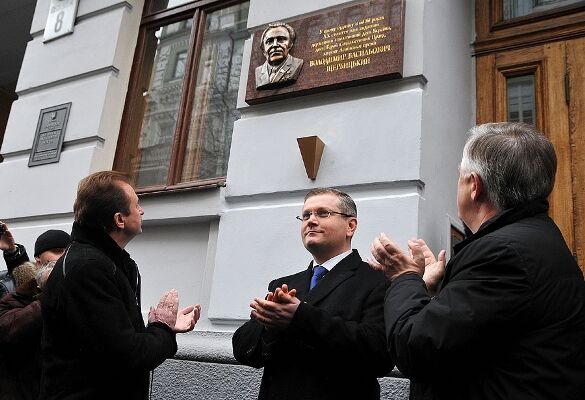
15,259
508,322
334,347
21,326
12,261
95,344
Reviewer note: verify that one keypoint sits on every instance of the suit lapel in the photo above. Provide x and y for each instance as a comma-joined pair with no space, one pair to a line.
302,285
283,70
344,270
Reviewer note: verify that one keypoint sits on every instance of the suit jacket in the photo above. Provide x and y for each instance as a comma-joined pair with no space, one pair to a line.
334,347
286,74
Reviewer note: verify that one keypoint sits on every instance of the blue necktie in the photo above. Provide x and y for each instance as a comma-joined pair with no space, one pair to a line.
318,273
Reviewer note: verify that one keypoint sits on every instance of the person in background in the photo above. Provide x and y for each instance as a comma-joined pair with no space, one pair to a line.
508,321
49,246
21,327
95,344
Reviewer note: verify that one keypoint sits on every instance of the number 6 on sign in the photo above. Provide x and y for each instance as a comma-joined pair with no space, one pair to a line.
61,19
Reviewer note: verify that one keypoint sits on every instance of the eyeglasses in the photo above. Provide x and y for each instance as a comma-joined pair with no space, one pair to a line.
321,214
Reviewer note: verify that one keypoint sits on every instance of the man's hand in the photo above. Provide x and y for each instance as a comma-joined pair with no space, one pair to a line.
277,293
434,269
272,314
390,259
166,310
187,318
7,242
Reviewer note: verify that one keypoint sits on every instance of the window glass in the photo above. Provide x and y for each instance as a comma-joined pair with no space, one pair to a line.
214,106
161,103
159,5
519,8
181,108
521,104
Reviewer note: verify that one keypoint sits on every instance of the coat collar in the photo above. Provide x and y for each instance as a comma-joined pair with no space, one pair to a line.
342,271
120,257
507,217
101,240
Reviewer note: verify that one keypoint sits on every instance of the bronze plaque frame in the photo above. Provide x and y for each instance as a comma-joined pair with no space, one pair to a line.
49,135
350,46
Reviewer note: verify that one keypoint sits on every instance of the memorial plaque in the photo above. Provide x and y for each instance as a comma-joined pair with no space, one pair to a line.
354,45
49,135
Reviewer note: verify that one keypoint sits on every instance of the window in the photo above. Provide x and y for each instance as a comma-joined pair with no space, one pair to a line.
180,61
520,94
520,8
181,104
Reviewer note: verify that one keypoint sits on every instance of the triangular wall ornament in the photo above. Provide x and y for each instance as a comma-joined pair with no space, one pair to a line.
311,150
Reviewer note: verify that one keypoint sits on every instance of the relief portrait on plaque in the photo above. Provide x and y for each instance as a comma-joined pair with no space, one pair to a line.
280,68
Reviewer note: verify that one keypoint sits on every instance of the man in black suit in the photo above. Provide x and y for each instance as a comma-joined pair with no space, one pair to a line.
324,342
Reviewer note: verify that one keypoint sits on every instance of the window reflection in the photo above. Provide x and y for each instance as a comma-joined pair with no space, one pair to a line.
206,141
521,104
159,5
214,109
161,102
519,8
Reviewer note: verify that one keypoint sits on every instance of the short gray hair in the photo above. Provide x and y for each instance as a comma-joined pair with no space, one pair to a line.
345,202
515,162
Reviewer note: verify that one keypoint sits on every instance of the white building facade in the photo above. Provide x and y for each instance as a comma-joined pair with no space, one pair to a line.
224,224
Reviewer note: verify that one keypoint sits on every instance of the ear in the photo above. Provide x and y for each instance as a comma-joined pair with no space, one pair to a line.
351,227
477,186
119,220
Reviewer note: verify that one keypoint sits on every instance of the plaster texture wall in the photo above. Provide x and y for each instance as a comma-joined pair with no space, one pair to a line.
193,380
209,371
447,114
87,69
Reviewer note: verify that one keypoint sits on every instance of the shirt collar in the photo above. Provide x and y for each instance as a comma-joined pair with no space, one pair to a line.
332,262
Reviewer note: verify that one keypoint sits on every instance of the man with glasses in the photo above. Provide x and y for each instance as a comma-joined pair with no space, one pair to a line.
319,334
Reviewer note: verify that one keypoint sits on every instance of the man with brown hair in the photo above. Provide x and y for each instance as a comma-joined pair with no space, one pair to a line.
95,344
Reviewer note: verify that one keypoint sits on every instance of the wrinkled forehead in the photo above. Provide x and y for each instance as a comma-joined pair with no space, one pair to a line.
279,31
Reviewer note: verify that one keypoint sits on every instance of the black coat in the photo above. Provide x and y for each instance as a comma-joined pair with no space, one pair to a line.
95,344
20,347
12,261
334,347
508,322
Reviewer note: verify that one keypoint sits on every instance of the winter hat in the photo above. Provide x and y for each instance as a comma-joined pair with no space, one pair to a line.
51,239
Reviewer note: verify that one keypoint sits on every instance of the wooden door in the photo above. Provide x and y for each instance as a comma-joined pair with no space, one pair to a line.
556,71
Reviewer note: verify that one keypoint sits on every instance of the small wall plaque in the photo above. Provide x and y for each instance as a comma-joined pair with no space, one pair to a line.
61,19
49,135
